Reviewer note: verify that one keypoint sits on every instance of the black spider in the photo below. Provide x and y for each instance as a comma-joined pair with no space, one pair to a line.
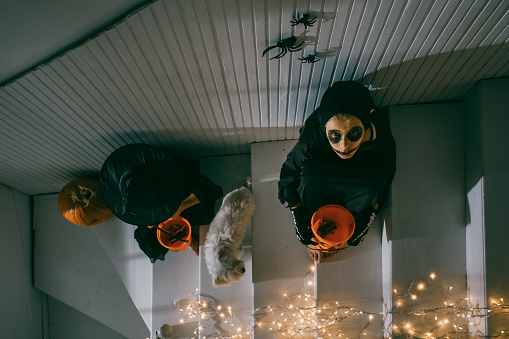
311,58
285,45
304,19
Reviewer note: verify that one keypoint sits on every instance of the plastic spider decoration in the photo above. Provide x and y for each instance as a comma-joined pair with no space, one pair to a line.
310,58
286,45
303,19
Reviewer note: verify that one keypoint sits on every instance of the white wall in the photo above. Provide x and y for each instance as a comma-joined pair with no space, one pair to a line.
21,313
99,273
474,186
66,322
427,229
486,183
37,30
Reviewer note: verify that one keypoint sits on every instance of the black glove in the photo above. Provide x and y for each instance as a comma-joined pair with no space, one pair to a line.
362,222
147,240
302,226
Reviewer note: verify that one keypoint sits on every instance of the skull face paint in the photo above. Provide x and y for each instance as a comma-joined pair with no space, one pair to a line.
345,135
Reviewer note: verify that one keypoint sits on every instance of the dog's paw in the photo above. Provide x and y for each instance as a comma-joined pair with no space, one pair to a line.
221,281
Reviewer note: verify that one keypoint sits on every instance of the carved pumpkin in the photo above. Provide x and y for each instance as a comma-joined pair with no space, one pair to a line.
81,202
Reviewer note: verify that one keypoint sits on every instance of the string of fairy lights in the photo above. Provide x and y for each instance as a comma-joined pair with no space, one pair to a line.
425,310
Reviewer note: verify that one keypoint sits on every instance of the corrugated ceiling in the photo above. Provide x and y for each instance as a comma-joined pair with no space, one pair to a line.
190,76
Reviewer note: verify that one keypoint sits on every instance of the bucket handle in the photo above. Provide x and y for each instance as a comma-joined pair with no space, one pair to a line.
178,236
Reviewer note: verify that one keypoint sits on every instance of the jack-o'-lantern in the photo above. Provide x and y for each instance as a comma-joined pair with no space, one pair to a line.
81,202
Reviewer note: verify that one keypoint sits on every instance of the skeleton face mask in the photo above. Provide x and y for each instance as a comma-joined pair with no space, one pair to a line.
345,135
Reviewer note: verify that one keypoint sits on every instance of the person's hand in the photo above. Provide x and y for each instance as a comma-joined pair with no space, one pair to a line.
177,214
315,253
363,221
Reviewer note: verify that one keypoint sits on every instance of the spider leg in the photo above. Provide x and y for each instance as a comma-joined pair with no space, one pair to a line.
294,21
282,54
268,49
279,55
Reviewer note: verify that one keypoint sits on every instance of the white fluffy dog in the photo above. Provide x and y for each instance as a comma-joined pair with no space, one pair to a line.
223,246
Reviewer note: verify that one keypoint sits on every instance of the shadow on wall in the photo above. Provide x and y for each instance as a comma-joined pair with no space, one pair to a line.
436,78
206,143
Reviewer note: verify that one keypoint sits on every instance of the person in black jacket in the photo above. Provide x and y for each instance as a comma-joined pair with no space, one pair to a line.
144,185
345,155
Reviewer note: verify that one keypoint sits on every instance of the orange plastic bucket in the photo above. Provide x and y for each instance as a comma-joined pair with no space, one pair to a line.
332,226
174,234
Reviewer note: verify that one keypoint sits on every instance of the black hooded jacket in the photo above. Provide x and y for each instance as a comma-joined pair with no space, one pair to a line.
379,153
375,159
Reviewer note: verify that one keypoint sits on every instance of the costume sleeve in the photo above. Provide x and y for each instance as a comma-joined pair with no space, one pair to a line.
289,177
390,157
204,189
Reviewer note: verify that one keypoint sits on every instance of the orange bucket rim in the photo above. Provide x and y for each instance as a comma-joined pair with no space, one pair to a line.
317,219
182,245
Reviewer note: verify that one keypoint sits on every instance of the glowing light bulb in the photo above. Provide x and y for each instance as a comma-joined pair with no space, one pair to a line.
420,286
370,317
432,276
414,297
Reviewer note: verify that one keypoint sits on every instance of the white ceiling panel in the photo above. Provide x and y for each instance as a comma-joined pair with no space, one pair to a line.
189,75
